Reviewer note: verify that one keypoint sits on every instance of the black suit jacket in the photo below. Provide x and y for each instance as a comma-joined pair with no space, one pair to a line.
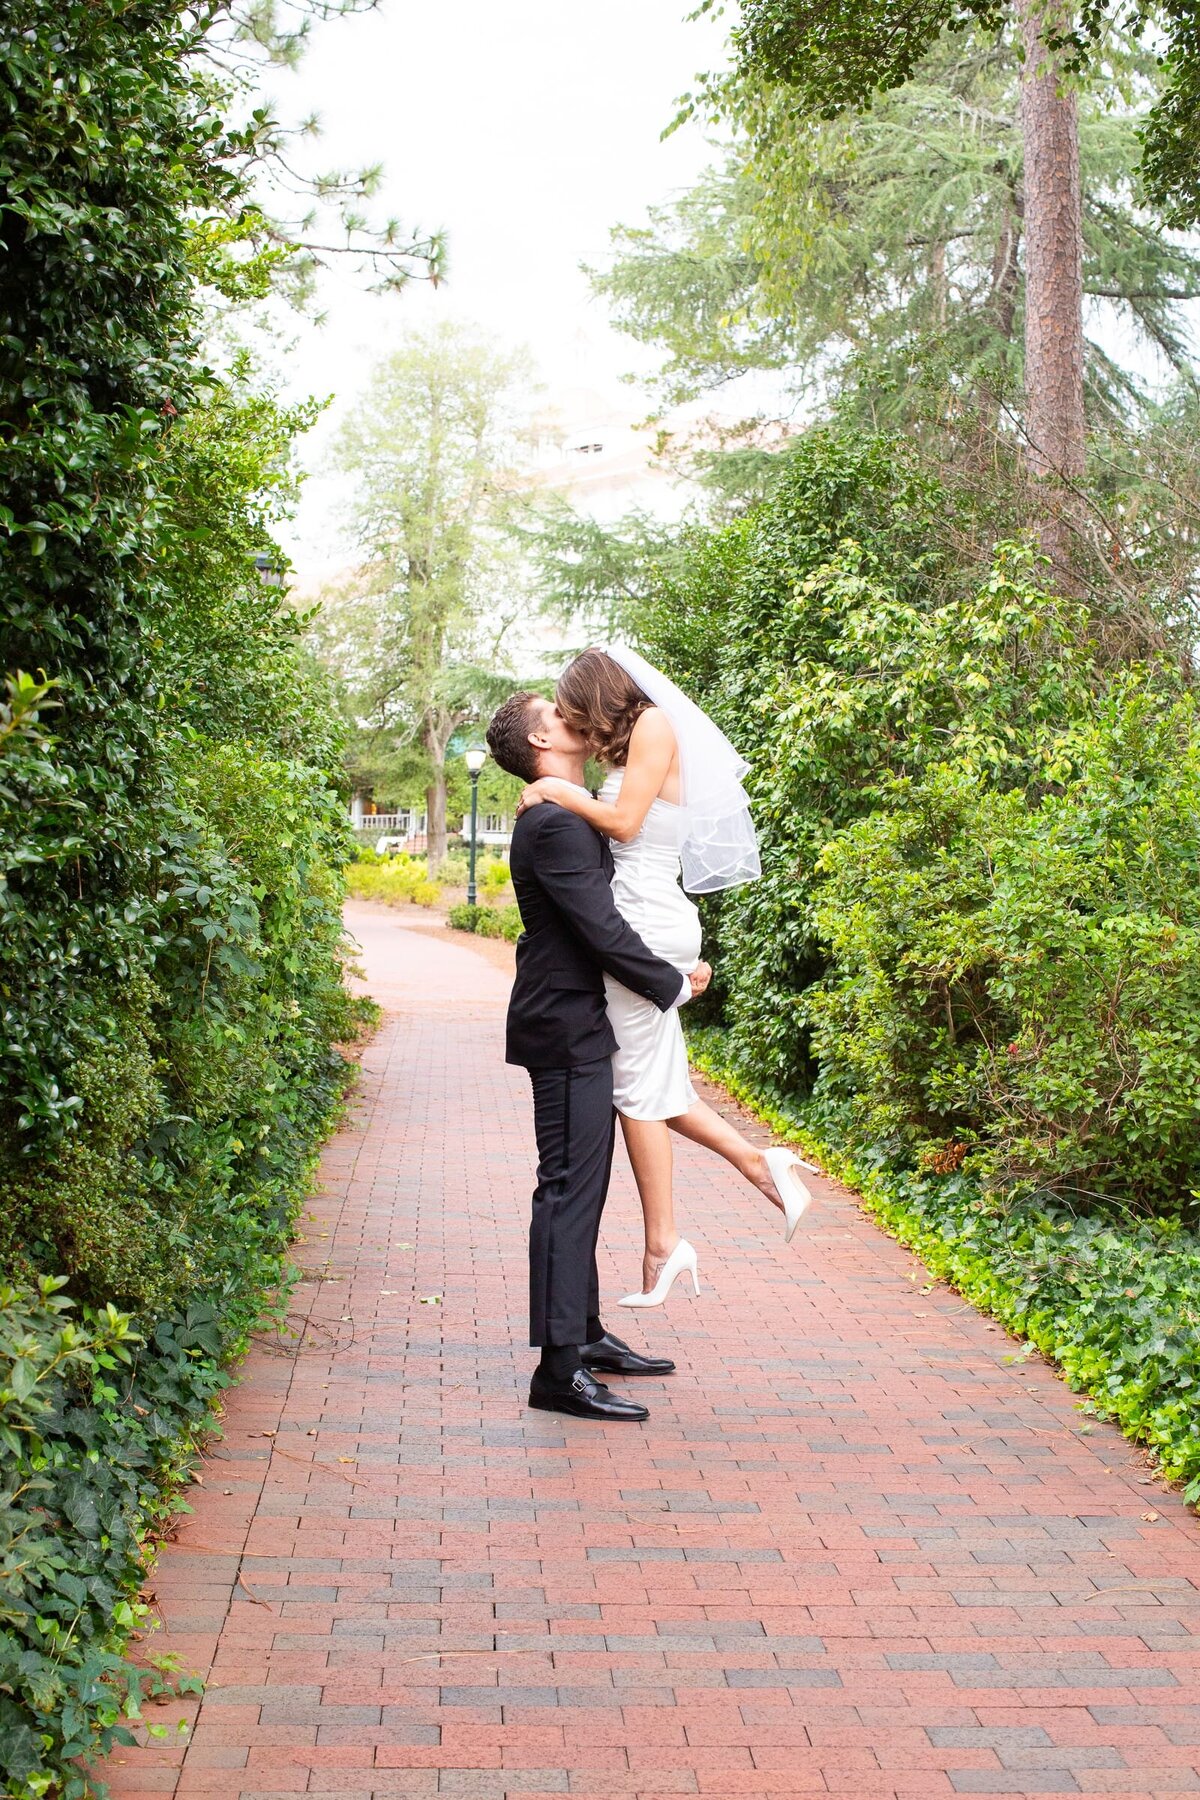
561,870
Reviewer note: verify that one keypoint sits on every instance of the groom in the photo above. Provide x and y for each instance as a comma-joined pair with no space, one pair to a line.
558,1029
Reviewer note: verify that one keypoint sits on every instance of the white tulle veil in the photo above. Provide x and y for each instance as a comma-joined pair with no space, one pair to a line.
717,843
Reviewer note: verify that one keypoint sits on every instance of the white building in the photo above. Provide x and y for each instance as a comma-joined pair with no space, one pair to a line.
600,454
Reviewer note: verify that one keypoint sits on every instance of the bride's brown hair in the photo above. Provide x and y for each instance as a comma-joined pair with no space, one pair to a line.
599,700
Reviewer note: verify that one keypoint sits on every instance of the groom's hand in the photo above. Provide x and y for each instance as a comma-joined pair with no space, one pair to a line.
700,977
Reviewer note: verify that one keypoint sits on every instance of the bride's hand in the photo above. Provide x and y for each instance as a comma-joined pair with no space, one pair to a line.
537,791
700,977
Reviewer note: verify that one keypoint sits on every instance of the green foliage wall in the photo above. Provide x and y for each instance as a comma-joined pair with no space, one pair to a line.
171,847
1020,981
976,914
769,623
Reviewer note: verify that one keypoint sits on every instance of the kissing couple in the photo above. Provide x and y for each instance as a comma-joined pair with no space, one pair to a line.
610,952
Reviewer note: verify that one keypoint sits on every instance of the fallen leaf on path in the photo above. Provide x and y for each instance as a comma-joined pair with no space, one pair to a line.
245,1586
1129,1588
437,1655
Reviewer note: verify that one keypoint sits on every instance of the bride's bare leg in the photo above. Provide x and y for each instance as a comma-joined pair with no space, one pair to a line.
704,1126
649,1145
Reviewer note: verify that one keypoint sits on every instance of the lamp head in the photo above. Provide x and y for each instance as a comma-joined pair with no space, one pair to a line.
475,758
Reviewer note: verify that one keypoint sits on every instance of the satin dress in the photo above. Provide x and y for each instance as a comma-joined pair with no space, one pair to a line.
650,1066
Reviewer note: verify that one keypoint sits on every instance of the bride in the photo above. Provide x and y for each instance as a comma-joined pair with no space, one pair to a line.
673,805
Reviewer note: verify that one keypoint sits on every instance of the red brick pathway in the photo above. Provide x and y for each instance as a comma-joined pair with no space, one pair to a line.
858,1549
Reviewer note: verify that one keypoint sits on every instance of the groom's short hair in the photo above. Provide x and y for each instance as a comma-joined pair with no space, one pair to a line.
508,735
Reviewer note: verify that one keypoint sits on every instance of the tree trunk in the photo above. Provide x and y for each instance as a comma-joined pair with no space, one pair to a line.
435,802
937,273
1004,287
1004,280
1054,418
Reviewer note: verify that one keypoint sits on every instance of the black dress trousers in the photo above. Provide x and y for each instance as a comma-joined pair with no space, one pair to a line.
574,1122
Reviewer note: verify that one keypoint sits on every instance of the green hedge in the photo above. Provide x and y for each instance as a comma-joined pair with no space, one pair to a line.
1020,975
978,910
171,846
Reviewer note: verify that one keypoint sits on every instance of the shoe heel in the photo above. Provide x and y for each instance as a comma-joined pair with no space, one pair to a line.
675,1265
691,1267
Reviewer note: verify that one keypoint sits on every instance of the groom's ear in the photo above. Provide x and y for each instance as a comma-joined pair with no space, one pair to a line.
538,738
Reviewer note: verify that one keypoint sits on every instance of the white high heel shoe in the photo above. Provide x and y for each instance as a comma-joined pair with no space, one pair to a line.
682,1257
795,1196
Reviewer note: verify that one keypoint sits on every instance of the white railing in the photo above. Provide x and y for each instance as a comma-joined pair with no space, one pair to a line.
396,824
493,831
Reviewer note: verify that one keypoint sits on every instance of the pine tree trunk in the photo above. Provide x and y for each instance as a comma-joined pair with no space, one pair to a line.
435,803
1054,417
1005,259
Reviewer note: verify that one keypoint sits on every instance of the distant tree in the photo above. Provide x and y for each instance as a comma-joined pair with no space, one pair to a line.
596,579
290,219
891,243
590,577
834,54
417,631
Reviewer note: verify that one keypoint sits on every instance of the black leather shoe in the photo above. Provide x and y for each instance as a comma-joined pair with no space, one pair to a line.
615,1358
583,1397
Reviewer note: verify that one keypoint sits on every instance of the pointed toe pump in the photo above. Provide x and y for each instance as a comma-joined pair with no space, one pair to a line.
682,1258
791,1190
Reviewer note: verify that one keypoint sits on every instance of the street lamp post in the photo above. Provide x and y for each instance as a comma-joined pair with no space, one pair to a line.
475,758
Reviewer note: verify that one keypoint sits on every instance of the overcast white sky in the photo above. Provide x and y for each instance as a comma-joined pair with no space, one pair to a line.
526,130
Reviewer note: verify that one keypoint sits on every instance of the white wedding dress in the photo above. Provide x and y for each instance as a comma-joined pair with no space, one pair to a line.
650,1067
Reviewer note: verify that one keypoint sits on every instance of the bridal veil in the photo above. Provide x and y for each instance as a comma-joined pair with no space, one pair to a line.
718,847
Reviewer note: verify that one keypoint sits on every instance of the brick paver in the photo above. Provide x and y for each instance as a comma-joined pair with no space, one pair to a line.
858,1550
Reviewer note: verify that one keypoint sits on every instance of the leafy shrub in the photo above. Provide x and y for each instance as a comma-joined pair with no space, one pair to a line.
401,880
494,877
507,920
91,1205
756,627
455,868
851,661
487,921
90,1434
491,872
1025,978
